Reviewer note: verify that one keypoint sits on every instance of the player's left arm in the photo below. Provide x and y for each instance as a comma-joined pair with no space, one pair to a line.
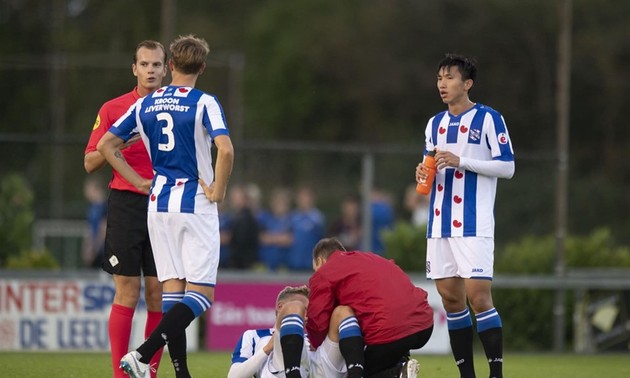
215,191
213,120
498,141
224,164
246,364
494,168
250,367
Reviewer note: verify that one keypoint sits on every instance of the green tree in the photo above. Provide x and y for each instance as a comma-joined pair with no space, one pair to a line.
407,245
16,216
527,312
340,71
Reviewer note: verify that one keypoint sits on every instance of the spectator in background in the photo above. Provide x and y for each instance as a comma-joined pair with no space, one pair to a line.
308,228
417,205
225,234
382,218
347,227
94,242
275,230
255,198
243,230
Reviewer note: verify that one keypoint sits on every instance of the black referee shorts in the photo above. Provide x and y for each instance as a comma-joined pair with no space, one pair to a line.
127,246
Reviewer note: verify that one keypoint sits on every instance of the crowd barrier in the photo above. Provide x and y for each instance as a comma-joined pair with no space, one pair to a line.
68,311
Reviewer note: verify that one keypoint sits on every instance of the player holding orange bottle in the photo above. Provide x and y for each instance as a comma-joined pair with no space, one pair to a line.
473,151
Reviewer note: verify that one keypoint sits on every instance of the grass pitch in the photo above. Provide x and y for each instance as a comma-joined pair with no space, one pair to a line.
216,365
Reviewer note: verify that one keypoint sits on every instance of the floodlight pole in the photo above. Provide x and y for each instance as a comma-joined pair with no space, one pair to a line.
367,185
168,19
562,108
57,109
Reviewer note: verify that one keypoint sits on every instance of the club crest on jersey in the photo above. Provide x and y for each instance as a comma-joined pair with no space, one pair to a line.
502,138
474,134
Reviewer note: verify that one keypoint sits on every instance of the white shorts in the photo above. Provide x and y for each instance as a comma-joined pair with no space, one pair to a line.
468,257
185,246
274,366
327,361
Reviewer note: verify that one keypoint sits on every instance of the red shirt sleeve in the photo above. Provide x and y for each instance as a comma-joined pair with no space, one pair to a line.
101,125
136,154
321,304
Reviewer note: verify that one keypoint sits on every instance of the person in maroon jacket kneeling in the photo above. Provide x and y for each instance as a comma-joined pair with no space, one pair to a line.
391,315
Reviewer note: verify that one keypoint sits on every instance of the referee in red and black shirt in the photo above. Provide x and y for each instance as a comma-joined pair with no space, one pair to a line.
128,253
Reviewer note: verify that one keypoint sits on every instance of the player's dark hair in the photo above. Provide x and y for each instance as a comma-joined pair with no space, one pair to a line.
467,66
325,247
151,45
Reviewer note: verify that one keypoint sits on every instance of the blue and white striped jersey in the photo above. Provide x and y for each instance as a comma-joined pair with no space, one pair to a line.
462,201
251,341
248,351
177,126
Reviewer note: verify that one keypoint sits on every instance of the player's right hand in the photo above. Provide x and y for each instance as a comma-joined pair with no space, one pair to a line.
421,173
145,186
269,347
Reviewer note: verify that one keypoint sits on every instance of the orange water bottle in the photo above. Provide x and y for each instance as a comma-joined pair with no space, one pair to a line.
429,163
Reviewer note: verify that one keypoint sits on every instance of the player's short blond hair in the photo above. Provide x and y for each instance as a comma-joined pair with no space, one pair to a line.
289,291
188,54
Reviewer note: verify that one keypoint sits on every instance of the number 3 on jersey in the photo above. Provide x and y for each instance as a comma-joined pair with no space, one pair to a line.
167,131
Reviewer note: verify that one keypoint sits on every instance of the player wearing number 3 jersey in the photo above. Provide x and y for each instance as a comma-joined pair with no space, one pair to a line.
178,125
